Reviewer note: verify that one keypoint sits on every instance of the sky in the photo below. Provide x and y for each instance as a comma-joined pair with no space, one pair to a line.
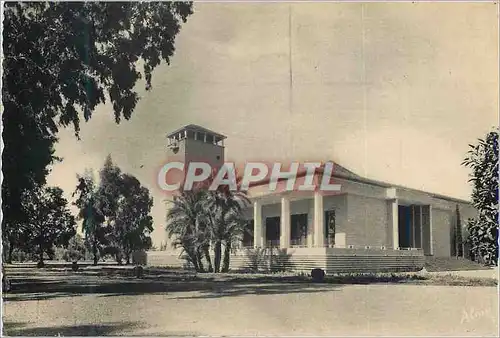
392,91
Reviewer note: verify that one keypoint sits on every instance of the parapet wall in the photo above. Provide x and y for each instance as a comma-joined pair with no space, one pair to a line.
332,260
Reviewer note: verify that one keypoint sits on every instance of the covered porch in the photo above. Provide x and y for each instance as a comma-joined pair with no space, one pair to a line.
318,220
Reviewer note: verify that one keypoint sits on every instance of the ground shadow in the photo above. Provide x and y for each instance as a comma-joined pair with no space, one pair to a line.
19,329
234,289
207,286
28,284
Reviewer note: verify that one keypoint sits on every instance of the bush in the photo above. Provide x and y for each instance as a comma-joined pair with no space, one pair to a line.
74,252
483,240
139,257
20,256
482,159
318,275
256,258
138,271
282,261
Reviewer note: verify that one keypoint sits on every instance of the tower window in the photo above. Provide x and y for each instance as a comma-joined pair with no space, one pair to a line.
218,157
210,138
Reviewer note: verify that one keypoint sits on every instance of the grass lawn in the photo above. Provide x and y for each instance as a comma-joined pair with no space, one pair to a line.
436,264
158,273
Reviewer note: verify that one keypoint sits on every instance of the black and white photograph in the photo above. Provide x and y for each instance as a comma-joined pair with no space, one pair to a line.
250,168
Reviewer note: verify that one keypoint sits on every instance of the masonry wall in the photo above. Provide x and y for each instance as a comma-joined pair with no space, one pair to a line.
367,221
333,260
441,232
467,211
197,150
339,204
270,210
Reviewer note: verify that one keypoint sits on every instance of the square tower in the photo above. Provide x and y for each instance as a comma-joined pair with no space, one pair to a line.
193,143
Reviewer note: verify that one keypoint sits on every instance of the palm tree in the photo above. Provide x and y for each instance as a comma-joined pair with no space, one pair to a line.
226,220
200,218
185,222
233,233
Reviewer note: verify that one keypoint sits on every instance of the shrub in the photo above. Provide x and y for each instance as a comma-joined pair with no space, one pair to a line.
318,275
138,271
482,159
256,258
21,256
281,261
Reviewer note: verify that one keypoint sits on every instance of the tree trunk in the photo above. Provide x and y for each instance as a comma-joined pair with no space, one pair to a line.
11,251
127,254
194,261
206,250
200,263
227,254
217,255
94,251
40,262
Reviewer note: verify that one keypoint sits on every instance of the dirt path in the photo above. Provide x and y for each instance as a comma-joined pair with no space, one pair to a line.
72,305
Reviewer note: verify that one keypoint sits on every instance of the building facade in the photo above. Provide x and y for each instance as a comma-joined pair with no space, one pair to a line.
365,226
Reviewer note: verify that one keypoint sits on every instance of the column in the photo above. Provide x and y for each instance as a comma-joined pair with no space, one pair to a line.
426,230
431,243
394,222
257,225
319,227
310,225
285,223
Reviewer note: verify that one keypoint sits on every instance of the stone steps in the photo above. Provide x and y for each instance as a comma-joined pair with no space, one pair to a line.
331,263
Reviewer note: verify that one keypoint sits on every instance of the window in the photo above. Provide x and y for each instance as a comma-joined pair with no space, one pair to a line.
298,224
210,138
273,231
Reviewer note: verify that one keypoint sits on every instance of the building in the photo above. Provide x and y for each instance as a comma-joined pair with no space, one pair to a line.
366,226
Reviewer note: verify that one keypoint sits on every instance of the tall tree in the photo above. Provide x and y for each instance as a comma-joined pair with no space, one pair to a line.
202,218
60,57
90,202
16,234
133,223
185,224
27,153
51,221
482,159
61,60
225,210
115,212
75,250
110,189
459,245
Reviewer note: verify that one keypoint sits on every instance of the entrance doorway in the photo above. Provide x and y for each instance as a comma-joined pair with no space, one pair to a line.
273,231
404,226
298,225
414,227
